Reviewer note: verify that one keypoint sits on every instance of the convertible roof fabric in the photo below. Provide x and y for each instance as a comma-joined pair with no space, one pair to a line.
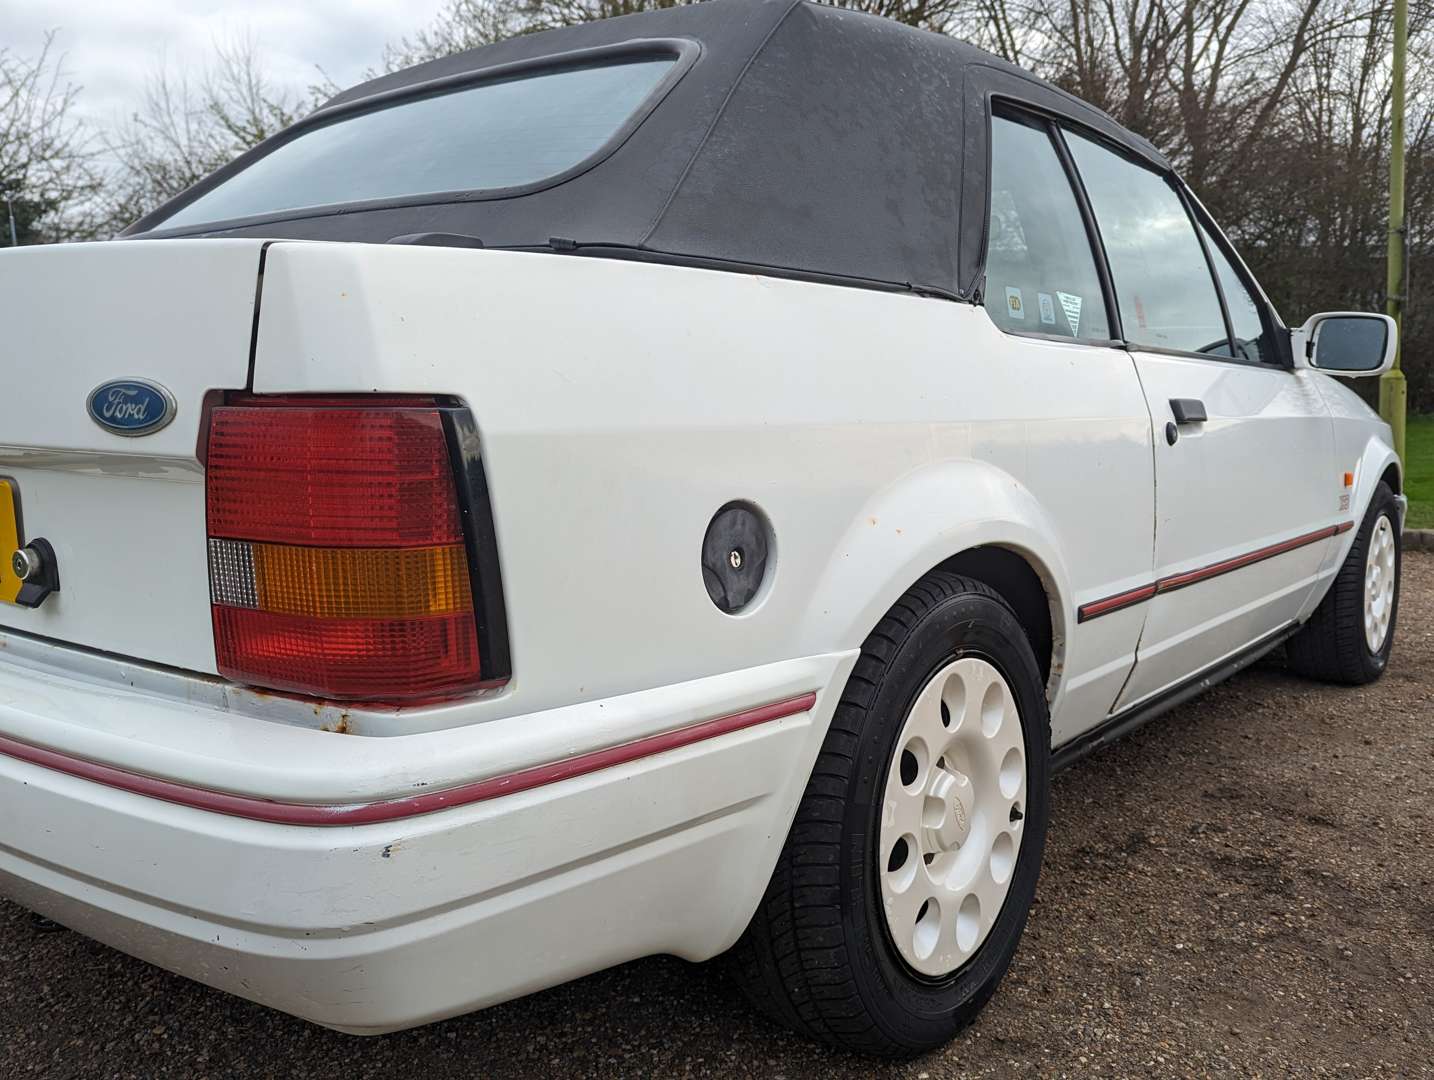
804,139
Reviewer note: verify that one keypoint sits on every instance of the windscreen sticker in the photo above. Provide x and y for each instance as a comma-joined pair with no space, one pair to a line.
1048,308
1071,303
1015,306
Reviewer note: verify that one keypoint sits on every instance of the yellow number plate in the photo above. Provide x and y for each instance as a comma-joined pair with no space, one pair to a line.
9,541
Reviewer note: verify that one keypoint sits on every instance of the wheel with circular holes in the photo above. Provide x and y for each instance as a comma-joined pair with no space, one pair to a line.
904,886
1349,637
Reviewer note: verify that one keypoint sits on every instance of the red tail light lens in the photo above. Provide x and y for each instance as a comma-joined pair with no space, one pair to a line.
367,659
338,561
331,477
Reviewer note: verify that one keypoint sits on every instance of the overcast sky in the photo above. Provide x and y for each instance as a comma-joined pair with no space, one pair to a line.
111,45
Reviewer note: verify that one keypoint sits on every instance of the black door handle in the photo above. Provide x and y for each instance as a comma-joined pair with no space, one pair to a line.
1188,410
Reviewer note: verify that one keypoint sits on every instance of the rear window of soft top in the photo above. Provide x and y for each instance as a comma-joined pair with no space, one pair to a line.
495,136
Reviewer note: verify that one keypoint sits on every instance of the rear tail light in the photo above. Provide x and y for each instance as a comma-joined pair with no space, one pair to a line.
351,553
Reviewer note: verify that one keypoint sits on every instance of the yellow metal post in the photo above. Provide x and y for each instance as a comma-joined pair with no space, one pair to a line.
1393,391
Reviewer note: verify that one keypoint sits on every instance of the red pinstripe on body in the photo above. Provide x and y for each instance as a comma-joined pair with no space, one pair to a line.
1097,608
310,814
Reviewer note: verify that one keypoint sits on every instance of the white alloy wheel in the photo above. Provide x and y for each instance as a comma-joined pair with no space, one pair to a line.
952,815
1379,584
901,893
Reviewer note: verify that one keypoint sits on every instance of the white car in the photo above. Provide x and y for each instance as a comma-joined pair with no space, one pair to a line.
674,485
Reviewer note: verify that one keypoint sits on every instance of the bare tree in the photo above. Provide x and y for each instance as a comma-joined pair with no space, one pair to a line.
190,124
46,153
1275,111
467,24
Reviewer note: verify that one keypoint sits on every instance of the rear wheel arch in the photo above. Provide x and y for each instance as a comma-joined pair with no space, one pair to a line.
1028,587
965,517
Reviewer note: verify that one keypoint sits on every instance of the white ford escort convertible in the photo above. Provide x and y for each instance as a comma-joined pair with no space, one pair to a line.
678,484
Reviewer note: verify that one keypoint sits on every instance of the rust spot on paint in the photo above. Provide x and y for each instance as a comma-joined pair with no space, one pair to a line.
340,726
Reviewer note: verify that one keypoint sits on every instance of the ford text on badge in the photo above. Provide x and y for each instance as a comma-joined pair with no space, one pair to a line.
131,407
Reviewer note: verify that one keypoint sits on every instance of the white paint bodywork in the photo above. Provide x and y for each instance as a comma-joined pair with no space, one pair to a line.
1247,478
376,927
619,405
615,429
126,516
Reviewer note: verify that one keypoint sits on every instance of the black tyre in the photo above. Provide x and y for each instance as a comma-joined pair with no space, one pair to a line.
932,785
1350,635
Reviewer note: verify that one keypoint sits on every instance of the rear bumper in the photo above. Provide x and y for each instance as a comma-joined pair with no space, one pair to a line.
389,923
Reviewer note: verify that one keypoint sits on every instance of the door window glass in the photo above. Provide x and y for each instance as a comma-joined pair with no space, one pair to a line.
1162,282
1040,272
1249,328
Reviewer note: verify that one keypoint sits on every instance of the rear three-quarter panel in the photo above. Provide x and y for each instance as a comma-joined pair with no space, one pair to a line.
620,405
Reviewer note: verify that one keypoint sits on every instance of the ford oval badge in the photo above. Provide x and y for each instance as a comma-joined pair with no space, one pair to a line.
131,406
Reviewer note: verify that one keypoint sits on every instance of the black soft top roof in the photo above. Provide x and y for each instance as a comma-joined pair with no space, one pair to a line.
803,138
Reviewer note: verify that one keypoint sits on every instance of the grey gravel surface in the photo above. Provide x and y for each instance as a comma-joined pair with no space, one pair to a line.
1244,888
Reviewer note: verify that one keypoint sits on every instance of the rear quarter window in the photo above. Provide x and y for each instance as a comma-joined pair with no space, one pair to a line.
1041,276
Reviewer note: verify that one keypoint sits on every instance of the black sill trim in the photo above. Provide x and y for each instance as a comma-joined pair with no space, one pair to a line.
683,51
495,657
1126,721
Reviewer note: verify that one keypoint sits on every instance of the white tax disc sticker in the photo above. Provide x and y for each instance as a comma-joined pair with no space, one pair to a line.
1071,303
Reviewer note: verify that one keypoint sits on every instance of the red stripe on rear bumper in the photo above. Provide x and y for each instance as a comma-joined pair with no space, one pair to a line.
289,813
1097,608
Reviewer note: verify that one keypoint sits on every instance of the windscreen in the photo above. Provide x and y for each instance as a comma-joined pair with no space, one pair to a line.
492,136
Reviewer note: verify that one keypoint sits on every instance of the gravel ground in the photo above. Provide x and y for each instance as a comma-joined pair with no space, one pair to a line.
1244,888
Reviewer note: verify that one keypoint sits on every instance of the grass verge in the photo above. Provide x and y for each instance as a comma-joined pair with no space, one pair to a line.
1419,471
